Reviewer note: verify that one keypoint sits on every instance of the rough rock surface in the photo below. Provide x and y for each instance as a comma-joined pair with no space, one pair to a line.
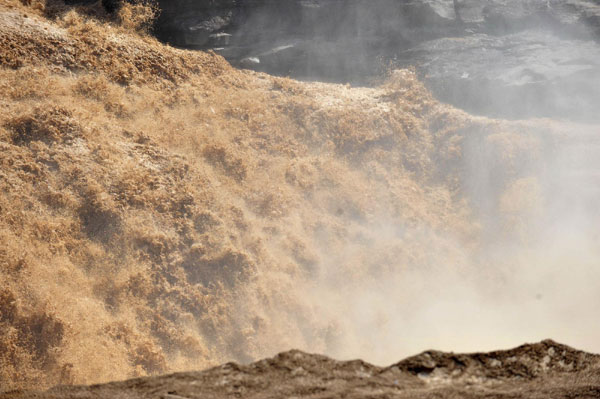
543,370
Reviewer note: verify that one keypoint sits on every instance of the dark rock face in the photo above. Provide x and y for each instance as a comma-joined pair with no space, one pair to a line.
532,73
325,39
510,58
501,58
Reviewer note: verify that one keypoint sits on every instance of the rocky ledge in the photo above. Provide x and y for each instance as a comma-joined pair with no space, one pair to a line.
544,370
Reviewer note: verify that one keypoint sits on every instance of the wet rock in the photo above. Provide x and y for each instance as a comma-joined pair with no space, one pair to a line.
511,58
259,24
530,73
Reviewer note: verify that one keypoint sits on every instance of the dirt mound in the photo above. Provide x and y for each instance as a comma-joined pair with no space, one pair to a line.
525,362
298,374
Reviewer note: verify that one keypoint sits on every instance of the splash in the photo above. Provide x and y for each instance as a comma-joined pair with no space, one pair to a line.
162,211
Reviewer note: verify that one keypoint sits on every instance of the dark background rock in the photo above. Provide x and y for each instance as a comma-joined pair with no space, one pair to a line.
505,58
531,73
510,58
318,36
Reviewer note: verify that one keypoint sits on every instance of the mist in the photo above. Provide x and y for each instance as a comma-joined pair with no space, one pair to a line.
361,179
531,270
